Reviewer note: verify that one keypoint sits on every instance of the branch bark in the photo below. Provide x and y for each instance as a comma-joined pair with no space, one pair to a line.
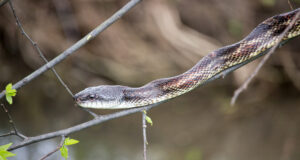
144,126
56,149
14,130
67,131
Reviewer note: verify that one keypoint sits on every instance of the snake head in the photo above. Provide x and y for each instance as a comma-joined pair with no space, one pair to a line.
280,22
100,97
276,25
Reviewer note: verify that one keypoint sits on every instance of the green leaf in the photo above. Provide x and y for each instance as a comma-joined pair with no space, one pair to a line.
8,87
9,90
64,151
2,158
9,99
5,147
69,141
12,92
9,93
4,153
148,119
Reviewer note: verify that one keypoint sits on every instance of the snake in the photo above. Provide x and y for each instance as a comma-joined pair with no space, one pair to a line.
212,66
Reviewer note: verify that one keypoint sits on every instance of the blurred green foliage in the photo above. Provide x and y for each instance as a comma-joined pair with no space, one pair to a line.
268,3
297,1
235,27
4,153
193,154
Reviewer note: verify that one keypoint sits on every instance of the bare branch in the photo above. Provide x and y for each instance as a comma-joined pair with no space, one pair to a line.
244,86
37,48
79,127
3,2
144,133
290,4
14,130
89,111
75,46
56,149
7,134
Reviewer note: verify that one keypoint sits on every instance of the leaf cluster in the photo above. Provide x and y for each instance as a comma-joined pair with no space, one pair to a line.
9,93
67,142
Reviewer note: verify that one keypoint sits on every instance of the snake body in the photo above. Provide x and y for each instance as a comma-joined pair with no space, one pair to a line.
210,67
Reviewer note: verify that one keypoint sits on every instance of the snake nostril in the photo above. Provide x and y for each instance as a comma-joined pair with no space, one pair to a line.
76,99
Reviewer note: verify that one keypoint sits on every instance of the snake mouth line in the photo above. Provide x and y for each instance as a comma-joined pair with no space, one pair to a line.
90,104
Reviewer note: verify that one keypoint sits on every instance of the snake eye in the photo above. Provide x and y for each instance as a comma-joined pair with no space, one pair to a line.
92,96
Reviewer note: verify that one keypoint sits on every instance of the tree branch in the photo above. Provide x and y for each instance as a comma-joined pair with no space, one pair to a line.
290,4
67,131
145,142
14,130
2,2
89,112
56,149
76,46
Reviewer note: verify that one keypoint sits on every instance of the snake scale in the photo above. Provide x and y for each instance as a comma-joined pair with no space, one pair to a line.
214,65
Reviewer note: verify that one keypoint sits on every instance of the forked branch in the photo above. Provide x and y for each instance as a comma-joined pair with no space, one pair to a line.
14,130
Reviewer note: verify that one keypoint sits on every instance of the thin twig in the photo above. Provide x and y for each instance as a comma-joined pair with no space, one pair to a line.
56,149
37,48
75,46
89,111
13,126
144,133
8,134
3,2
79,127
244,86
290,4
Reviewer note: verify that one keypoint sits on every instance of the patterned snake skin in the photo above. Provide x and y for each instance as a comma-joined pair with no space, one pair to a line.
218,63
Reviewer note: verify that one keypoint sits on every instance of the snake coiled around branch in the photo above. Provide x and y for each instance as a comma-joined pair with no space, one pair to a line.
220,62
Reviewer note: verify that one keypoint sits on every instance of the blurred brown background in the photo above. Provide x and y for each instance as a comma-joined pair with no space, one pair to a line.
158,38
